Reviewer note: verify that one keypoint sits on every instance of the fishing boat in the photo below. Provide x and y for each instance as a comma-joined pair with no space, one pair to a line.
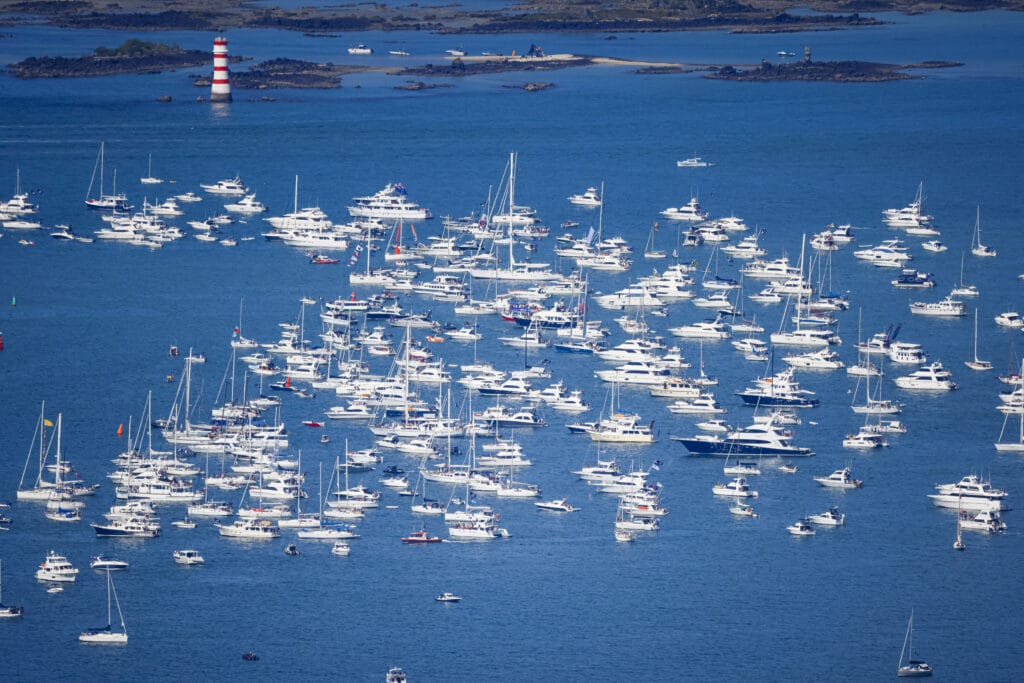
840,479
447,597
913,668
105,635
588,198
800,527
742,510
188,557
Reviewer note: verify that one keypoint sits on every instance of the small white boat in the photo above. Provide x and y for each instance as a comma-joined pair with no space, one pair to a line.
447,597
188,557
693,162
360,49
185,523
742,510
934,246
800,528
341,549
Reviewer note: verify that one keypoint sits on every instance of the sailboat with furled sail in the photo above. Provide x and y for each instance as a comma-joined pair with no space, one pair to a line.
513,271
106,635
40,490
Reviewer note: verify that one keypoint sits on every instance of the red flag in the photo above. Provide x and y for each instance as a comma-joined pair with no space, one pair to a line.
120,430
288,382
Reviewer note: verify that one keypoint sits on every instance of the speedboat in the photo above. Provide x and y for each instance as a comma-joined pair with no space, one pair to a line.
107,563
840,479
693,162
360,49
800,528
1010,319
188,557
831,517
559,505
341,549
447,597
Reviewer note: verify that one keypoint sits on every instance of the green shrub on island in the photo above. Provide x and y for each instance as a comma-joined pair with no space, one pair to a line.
135,48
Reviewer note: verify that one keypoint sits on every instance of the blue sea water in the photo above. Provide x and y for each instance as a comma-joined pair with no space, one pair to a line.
709,596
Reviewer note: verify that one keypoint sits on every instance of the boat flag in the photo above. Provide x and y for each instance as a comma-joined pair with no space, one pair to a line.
237,332
354,258
288,382
47,423
414,235
120,430
590,235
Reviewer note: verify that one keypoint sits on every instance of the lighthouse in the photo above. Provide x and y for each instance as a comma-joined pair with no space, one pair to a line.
220,89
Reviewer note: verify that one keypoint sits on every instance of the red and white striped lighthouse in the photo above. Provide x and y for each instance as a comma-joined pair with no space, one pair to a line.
220,89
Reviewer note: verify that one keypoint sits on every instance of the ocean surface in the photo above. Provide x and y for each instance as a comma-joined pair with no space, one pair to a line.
86,328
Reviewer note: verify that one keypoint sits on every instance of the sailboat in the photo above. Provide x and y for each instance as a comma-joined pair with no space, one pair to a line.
1012,447
41,489
977,248
649,251
104,201
977,364
149,179
106,635
962,289
513,271
958,544
5,611
914,668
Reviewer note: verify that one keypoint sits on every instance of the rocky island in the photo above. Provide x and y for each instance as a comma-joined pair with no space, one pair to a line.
132,56
834,71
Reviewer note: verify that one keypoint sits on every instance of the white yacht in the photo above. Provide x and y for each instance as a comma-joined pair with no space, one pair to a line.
247,205
831,517
389,203
1010,319
840,479
737,488
558,505
984,520
635,372
588,198
690,212
948,308
252,529
703,329
970,493
930,377
232,187
56,568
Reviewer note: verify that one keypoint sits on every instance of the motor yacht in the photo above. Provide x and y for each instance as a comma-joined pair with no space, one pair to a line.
800,528
840,479
690,212
931,377
737,488
831,517
970,493
588,198
56,568
188,557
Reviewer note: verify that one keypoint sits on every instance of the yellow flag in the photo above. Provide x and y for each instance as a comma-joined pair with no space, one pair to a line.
47,423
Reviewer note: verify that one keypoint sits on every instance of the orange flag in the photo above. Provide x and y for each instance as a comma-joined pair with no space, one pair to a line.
120,430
